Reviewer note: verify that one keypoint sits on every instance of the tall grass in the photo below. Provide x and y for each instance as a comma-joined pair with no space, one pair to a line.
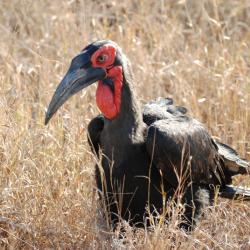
197,52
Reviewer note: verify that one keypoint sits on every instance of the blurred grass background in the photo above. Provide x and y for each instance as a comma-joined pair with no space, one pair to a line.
197,52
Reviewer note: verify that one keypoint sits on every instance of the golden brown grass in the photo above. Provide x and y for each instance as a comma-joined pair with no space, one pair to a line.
195,51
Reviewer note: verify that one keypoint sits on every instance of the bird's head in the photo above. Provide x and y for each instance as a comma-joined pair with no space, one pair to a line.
100,61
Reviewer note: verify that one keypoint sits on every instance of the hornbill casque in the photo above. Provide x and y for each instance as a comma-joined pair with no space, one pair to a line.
146,153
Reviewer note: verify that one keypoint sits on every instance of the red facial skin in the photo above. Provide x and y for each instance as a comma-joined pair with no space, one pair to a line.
107,101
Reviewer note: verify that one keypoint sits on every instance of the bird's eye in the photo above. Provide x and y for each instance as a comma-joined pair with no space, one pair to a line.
102,58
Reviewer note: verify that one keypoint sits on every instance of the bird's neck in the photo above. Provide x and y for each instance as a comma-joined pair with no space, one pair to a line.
124,133
129,121
120,105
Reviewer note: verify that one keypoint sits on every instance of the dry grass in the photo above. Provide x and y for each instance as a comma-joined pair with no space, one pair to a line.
195,51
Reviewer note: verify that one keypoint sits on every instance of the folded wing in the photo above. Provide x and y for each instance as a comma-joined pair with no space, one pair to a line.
183,150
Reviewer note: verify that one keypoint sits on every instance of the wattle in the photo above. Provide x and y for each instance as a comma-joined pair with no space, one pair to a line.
105,101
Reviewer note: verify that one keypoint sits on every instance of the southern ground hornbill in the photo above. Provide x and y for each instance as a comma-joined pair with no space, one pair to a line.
147,154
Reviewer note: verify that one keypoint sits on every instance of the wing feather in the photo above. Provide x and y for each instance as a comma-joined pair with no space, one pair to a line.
95,128
161,108
176,139
234,163
182,148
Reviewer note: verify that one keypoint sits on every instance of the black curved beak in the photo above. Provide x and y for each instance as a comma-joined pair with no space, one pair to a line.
76,79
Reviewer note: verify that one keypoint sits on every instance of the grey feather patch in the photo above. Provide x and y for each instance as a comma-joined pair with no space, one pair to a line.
233,192
233,162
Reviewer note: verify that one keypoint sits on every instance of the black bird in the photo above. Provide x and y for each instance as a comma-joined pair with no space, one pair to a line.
146,155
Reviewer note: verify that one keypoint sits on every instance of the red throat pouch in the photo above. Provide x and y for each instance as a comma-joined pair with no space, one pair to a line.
109,101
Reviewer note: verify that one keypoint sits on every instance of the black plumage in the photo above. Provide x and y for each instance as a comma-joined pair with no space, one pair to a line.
148,154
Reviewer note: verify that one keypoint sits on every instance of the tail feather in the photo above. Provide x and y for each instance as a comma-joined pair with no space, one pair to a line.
234,192
234,164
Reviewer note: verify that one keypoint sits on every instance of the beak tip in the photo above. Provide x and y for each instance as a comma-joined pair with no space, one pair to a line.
47,118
